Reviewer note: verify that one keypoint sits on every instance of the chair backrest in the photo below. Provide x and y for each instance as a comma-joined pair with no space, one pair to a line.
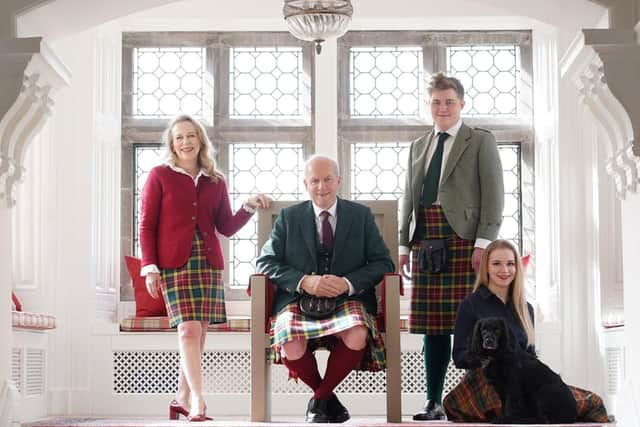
385,213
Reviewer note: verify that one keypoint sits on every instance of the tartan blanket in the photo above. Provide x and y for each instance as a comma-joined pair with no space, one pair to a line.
475,400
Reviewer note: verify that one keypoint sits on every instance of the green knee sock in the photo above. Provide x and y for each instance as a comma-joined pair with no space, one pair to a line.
437,352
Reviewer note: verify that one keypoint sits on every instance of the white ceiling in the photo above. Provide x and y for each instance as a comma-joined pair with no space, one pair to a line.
59,18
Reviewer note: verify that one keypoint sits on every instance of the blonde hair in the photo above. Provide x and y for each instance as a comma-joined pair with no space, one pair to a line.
516,289
206,161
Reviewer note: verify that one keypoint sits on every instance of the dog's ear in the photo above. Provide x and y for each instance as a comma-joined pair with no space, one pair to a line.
475,340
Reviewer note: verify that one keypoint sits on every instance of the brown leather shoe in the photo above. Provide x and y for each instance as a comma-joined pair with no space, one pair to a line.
431,411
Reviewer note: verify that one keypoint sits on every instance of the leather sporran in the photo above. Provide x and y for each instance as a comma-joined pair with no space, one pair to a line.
316,307
432,256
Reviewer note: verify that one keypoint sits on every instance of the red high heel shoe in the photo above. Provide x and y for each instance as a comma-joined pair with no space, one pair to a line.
175,410
199,417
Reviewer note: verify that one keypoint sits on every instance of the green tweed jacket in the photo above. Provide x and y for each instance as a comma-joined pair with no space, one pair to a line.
471,190
359,252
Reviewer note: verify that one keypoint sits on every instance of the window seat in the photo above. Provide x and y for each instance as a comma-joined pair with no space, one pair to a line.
161,324
33,321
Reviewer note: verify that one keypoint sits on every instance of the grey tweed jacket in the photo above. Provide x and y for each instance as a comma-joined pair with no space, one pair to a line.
471,190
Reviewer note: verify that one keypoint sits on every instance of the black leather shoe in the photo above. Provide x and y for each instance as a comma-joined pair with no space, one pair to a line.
337,412
317,411
431,411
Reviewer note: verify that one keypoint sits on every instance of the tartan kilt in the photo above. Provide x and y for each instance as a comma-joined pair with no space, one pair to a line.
475,400
291,324
194,291
435,297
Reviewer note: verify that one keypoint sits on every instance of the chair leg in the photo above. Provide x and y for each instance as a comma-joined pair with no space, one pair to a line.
259,375
392,345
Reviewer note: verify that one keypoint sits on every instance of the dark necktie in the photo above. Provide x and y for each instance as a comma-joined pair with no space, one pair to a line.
432,179
327,231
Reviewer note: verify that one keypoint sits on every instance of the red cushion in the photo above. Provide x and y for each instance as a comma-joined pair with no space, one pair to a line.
146,305
16,302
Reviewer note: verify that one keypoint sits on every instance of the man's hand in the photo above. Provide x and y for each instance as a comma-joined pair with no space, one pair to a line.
327,286
404,268
475,259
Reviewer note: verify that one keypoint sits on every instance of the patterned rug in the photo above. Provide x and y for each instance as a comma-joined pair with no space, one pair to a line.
146,422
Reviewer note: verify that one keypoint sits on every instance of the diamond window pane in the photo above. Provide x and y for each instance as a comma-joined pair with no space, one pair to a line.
378,172
146,157
490,76
266,83
168,81
273,169
386,82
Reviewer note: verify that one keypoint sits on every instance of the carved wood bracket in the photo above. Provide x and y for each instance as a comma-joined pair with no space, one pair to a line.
43,75
606,70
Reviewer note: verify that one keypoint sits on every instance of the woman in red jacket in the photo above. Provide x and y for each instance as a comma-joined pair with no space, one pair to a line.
185,204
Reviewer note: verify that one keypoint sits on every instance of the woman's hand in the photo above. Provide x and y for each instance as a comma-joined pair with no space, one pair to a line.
259,201
404,267
153,284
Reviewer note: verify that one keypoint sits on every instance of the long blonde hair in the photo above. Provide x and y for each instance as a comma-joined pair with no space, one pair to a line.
205,155
516,289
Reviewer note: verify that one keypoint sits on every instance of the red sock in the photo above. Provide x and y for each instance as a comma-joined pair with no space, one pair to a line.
341,361
305,368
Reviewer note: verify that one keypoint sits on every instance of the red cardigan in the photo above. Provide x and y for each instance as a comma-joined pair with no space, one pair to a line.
172,207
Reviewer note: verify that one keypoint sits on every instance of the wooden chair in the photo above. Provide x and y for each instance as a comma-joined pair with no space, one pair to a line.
385,213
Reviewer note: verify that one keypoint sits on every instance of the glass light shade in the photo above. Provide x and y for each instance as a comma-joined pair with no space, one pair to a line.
317,20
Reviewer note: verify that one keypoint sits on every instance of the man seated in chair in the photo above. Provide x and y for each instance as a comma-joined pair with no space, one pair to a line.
326,247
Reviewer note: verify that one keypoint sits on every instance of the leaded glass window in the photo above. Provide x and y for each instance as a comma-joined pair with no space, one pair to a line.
266,82
243,87
145,158
375,130
273,169
378,170
490,76
386,82
168,80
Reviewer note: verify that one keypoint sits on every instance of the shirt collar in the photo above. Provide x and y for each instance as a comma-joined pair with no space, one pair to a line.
178,169
332,209
453,130
486,293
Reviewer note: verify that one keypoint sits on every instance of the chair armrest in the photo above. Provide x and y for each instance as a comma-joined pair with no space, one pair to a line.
262,293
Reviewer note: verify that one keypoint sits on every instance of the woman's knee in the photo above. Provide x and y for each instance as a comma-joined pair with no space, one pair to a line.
356,337
190,330
294,350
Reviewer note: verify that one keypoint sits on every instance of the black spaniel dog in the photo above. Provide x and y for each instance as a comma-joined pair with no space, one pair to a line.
531,393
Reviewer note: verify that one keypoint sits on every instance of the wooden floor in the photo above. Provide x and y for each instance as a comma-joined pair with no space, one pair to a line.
241,422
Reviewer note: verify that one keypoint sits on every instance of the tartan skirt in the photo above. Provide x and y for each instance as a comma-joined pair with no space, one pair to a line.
194,291
475,400
435,297
291,324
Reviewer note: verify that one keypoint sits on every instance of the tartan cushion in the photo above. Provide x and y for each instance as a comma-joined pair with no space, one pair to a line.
161,324
38,321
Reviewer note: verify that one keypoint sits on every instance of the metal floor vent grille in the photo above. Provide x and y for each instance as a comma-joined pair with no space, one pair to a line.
615,369
34,384
228,372
16,369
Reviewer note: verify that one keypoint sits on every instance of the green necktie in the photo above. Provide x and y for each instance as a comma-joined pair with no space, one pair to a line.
432,179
